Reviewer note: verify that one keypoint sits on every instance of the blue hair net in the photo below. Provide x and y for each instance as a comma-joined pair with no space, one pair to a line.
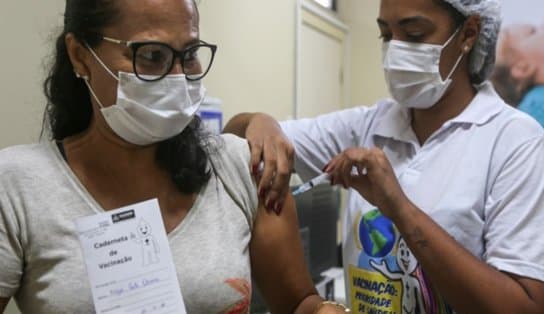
482,57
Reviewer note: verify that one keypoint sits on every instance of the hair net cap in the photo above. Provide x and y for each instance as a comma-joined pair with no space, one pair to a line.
482,57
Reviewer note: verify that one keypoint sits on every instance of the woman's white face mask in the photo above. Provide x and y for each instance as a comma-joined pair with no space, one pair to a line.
412,72
150,112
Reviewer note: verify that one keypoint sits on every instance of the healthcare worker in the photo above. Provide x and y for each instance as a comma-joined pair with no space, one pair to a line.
446,196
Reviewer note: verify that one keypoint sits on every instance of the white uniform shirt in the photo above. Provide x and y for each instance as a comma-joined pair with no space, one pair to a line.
480,177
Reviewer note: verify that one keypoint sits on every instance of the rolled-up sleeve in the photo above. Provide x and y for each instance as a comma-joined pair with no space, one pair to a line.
515,213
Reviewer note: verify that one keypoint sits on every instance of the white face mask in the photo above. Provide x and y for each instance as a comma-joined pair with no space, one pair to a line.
150,112
412,72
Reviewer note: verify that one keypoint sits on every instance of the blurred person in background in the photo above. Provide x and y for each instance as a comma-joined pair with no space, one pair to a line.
519,73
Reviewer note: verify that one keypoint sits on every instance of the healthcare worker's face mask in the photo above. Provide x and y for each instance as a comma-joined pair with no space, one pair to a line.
412,72
150,112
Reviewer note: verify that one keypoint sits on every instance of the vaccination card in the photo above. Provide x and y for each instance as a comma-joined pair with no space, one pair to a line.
129,262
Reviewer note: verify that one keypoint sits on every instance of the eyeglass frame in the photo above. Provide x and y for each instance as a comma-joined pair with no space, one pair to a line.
178,54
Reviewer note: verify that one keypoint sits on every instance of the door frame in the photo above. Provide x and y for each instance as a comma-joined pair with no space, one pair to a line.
325,21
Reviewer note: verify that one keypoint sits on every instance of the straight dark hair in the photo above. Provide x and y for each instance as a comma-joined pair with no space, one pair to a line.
69,108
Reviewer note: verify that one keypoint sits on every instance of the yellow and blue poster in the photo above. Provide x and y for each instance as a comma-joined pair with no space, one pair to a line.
387,278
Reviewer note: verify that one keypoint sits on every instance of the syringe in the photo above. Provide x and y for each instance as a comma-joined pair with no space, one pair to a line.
321,179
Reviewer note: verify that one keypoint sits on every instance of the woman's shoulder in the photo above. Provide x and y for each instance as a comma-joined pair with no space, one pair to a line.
512,134
234,147
503,121
230,158
518,126
24,157
24,168
229,150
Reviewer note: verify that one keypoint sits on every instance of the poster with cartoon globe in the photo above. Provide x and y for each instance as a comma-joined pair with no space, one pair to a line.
519,71
387,278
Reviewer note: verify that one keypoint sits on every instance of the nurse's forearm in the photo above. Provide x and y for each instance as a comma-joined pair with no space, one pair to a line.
238,124
468,284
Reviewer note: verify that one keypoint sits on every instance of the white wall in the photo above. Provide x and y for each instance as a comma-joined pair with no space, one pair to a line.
26,29
367,80
254,68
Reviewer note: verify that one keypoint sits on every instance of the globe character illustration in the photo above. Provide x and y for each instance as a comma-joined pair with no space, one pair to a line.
377,234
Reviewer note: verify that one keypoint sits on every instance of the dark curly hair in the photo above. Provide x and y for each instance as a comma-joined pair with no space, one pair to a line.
69,109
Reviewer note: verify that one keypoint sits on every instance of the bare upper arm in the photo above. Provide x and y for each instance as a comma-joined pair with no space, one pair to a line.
534,290
277,259
3,304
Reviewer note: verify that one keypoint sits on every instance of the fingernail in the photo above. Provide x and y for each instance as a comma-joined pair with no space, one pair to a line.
261,193
255,169
269,205
278,208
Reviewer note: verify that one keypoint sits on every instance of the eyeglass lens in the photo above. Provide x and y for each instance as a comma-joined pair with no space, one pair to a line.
155,60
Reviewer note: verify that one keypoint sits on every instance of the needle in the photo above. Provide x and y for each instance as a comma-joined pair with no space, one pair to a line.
321,179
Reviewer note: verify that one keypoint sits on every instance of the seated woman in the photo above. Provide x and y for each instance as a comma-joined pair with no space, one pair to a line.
122,96
519,74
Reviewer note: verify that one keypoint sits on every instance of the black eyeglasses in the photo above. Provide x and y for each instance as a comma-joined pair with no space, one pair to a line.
152,61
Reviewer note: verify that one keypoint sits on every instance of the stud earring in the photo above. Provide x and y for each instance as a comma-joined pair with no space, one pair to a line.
85,77
467,48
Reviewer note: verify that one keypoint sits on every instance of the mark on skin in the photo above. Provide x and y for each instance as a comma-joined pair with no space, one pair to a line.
417,237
